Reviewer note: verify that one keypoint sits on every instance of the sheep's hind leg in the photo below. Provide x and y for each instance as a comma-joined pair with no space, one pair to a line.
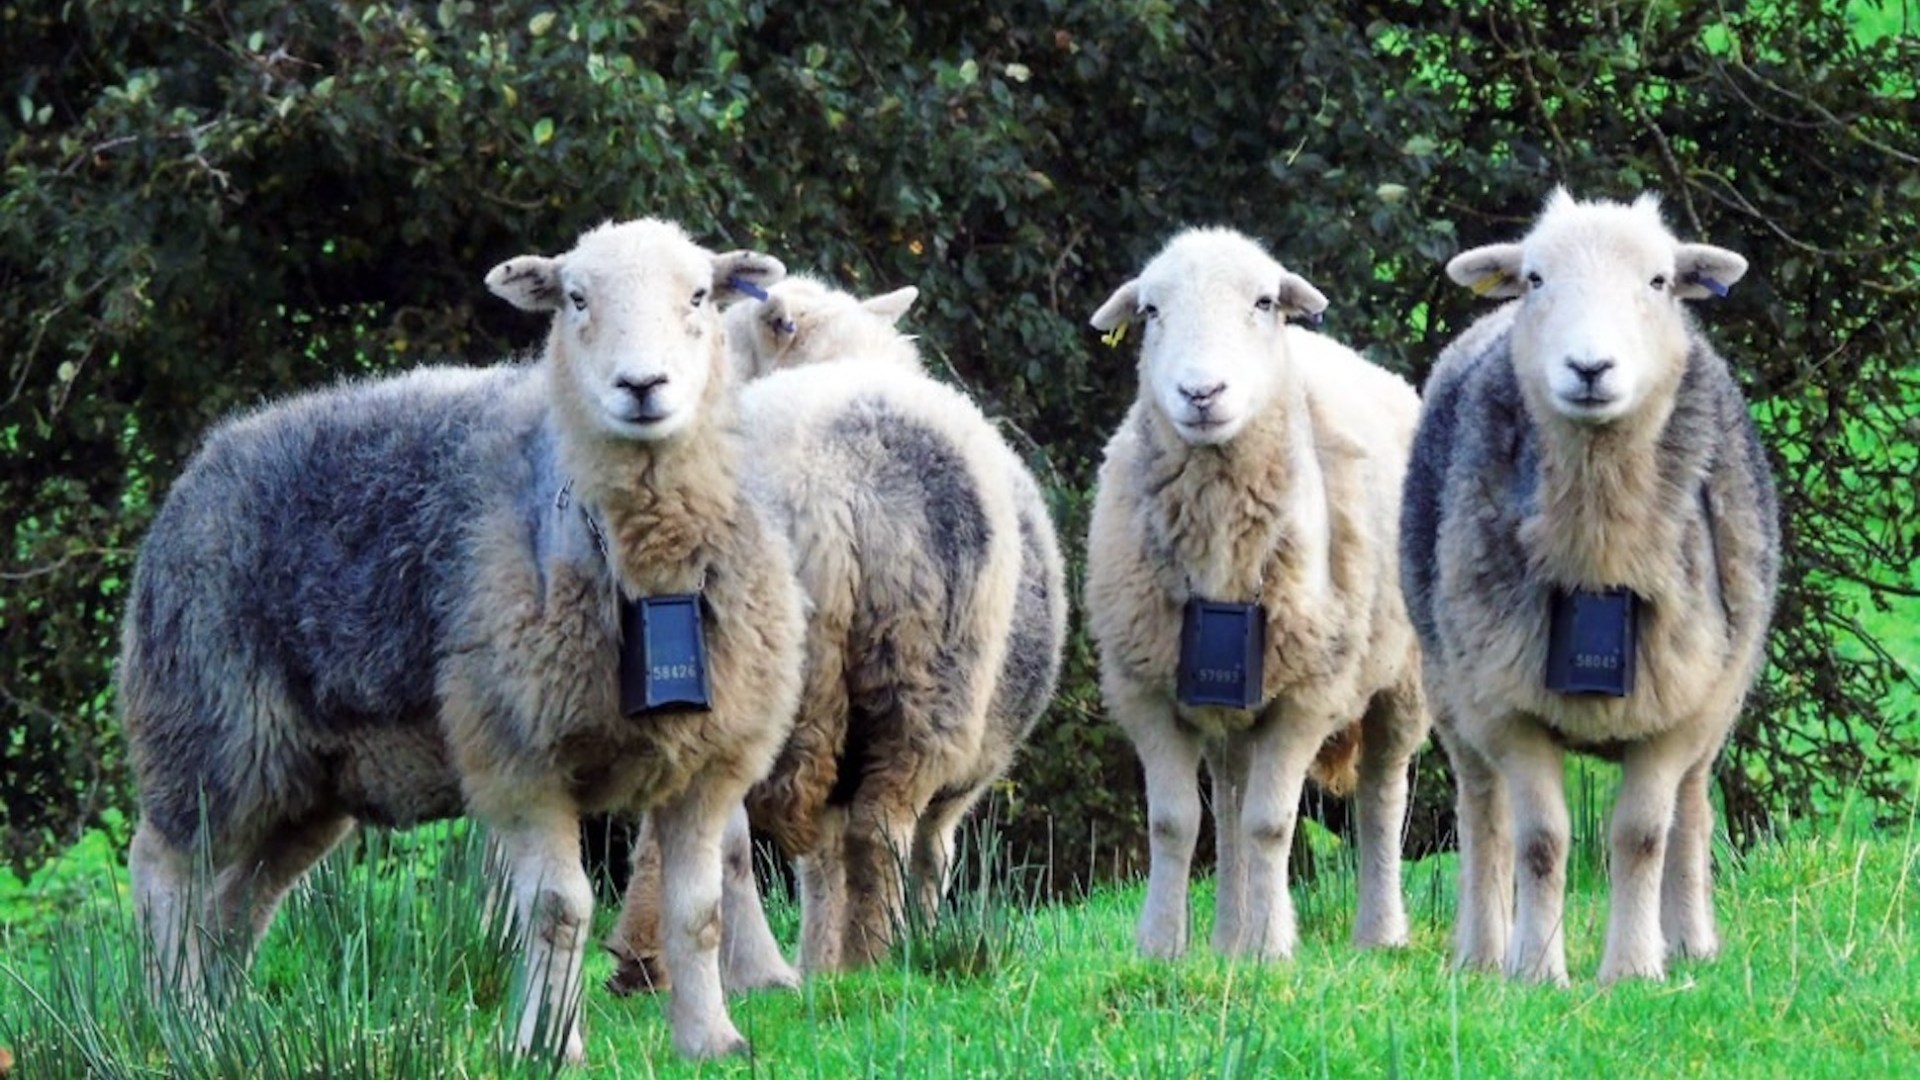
749,957
1170,757
248,894
690,828
1530,766
880,833
1227,768
1278,752
166,905
553,908
1686,886
635,939
933,850
822,875
1390,732
1485,917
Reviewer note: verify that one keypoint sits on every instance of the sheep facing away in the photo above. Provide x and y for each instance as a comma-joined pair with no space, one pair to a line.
1586,437
933,646
1261,462
398,600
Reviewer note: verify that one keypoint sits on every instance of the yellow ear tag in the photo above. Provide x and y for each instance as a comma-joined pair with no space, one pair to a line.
1112,338
1491,282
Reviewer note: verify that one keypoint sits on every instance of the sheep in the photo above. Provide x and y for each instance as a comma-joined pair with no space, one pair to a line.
400,600
1260,462
939,615
1585,436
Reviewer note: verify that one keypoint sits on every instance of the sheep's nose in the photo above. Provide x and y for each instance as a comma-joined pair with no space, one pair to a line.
640,389
1202,396
1590,370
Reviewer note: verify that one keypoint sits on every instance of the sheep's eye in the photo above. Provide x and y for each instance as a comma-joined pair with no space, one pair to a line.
1659,282
578,298
1265,303
1148,311
1534,280
699,297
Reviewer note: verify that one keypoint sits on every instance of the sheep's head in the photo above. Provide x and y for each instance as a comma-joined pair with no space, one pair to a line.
1600,329
1211,310
802,321
636,326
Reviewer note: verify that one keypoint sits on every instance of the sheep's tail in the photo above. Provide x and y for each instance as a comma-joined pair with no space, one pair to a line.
1337,767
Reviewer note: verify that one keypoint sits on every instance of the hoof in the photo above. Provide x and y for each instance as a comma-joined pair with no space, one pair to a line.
638,975
723,1043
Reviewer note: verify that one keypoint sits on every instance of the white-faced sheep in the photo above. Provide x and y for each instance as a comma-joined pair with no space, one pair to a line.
938,616
400,600
1584,445
1260,465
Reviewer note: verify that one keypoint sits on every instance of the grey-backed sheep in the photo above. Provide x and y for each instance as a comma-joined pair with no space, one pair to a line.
398,600
1261,463
939,613
1586,437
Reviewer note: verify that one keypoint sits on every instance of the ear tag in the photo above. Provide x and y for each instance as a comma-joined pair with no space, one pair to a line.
746,288
1223,650
1710,284
663,655
1590,642
1316,317
1112,338
1489,283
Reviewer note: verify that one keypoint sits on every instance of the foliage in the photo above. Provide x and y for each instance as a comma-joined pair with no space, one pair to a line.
207,204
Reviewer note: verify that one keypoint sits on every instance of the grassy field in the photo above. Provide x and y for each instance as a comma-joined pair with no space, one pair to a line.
383,967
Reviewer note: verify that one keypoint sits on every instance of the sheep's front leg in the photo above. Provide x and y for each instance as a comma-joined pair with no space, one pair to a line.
1227,766
1170,757
1686,886
1485,917
553,909
750,958
1529,764
689,829
1391,730
1278,752
1650,779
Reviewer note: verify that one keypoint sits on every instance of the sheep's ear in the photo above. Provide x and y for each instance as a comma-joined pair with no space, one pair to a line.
529,282
1702,270
1119,307
1562,199
1493,270
745,273
1299,297
890,306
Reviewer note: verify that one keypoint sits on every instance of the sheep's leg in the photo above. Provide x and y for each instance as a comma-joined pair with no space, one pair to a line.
1686,886
164,903
1227,768
750,957
552,907
1530,768
933,851
635,939
1643,813
880,832
690,829
1170,758
1278,752
823,895
1390,732
1485,916
248,894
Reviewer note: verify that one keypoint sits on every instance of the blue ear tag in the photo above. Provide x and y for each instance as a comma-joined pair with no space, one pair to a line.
1590,642
1222,654
1708,284
663,655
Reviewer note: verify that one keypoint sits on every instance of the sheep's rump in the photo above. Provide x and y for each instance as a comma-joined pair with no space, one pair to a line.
294,595
1474,480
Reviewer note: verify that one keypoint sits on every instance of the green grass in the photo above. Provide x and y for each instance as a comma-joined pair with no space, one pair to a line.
383,967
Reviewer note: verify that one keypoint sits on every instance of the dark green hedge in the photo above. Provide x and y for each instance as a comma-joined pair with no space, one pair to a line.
209,203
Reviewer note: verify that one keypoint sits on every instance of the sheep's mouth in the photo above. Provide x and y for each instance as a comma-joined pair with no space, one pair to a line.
1589,405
